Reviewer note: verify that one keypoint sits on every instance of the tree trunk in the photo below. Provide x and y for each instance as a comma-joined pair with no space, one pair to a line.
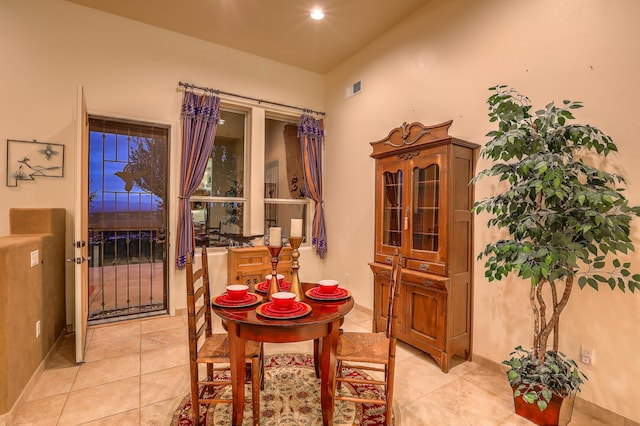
543,328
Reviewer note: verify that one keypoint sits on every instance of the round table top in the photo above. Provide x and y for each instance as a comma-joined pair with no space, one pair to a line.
321,312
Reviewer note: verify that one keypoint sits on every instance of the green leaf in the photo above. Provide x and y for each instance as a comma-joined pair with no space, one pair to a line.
529,397
582,281
542,404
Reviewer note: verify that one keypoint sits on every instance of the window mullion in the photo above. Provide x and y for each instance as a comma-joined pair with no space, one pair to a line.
255,169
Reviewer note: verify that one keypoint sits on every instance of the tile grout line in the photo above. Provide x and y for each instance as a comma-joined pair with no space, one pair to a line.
66,398
140,377
79,365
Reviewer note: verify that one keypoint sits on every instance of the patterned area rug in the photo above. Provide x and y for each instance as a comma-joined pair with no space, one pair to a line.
291,396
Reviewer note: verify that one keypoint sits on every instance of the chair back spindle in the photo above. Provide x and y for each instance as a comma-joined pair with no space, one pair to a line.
394,294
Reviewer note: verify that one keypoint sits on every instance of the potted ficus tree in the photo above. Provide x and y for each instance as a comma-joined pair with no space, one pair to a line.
564,220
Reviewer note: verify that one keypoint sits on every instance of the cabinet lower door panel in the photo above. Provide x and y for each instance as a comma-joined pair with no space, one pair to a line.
424,316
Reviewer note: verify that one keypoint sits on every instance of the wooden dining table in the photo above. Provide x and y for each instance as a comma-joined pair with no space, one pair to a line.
322,324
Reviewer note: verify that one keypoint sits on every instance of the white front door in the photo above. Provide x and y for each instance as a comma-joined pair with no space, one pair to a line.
81,249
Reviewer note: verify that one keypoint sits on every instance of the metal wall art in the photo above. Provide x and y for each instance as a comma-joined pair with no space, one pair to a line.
28,160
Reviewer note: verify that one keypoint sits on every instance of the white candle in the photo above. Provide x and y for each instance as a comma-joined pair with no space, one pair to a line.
296,227
275,237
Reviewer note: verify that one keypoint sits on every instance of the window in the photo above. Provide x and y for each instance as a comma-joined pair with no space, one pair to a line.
222,204
284,196
218,203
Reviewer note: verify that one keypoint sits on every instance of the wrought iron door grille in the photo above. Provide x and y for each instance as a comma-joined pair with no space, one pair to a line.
127,218
126,273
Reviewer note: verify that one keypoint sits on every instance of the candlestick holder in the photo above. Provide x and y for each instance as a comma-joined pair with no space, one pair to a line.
296,287
273,286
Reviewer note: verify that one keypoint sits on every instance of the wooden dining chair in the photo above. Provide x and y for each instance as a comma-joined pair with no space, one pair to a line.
211,349
374,352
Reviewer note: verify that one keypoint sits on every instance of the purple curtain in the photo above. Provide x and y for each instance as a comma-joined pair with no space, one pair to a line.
200,116
311,133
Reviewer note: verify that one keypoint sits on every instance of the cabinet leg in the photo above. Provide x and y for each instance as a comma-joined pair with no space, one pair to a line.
444,362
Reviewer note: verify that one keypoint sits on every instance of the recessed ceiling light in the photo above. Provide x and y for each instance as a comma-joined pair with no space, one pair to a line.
317,14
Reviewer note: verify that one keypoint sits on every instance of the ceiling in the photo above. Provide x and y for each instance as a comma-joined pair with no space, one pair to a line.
280,30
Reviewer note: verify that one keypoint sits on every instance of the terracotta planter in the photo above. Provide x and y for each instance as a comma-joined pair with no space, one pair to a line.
558,411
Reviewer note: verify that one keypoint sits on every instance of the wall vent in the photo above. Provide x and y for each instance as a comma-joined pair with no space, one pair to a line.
354,89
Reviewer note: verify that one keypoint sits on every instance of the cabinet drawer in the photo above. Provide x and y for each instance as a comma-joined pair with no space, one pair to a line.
251,260
385,259
426,281
428,267
433,285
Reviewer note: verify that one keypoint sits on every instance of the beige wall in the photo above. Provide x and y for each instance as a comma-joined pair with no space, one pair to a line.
437,65
128,70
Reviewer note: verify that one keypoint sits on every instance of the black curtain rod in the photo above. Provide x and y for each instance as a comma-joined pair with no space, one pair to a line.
260,101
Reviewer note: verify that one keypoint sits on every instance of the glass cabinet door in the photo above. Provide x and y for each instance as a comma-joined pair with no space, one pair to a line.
392,208
426,208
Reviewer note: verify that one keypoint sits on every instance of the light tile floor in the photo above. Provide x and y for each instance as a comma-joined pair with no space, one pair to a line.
137,371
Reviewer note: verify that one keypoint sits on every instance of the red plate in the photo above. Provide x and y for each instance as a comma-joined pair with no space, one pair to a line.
263,287
316,293
224,301
298,309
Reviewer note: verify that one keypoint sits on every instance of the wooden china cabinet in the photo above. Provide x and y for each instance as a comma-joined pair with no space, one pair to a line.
423,209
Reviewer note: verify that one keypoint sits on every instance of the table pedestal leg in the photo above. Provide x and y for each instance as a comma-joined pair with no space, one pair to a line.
237,364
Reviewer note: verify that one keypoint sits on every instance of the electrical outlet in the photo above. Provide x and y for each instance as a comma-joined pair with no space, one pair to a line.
346,278
587,355
37,328
35,258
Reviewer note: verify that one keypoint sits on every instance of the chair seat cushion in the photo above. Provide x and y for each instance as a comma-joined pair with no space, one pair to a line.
363,347
216,349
